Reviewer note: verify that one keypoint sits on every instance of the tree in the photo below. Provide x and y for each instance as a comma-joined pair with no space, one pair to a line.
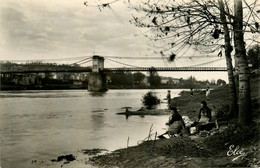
233,110
197,23
244,116
154,78
212,81
150,99
138,77
192,23
48,75
221,82
121,79
253,55
186,23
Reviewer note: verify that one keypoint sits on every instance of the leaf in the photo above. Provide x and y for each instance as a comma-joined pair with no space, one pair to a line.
167,28
220,54
154,20
256,25
188,19
105,5
172,57
216,33
162,54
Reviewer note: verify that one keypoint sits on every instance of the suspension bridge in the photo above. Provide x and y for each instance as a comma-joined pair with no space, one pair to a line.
97,71
98,61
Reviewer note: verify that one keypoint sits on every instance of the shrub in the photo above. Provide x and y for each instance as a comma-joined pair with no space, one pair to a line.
223,112
149,99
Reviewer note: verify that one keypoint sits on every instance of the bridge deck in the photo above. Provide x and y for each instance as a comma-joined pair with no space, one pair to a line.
79,70
168,69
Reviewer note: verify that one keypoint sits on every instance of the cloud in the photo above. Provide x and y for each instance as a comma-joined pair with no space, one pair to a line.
36,29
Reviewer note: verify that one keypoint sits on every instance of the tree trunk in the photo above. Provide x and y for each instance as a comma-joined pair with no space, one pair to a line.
233,111
244,116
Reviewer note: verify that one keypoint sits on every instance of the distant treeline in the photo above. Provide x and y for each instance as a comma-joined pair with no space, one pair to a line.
69,80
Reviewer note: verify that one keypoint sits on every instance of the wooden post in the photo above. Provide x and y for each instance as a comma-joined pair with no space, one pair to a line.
154,143
149,135
127,146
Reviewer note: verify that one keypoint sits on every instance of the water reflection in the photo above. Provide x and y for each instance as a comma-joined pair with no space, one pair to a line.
98,121
98,94
44,124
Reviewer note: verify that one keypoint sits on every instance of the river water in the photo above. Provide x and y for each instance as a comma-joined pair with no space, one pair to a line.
41,125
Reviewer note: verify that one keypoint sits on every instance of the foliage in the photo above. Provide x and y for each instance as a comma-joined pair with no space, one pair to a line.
234,135
192,82
35,65
138,77
200,23
223,112
181,25
121,79
253,55
154,78
221,82
149,99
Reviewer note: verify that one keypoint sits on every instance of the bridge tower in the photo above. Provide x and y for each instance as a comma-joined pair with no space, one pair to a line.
97,81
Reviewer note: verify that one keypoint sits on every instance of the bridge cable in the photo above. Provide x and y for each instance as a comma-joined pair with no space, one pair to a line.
122,63
84,62
150,57
44,60
81,60
206,63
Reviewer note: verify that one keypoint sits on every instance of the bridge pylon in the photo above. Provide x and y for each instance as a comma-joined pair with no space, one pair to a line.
97,81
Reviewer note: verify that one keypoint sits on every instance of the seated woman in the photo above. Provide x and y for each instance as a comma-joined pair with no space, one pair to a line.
204,118
175,123
204,113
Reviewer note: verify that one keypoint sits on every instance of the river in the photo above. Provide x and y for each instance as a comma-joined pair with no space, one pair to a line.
41,125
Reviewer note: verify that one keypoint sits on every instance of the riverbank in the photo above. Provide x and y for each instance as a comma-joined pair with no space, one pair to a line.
40,87
5,86
231,147
234,146
213,151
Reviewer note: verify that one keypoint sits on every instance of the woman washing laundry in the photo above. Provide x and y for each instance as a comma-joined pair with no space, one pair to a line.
175,123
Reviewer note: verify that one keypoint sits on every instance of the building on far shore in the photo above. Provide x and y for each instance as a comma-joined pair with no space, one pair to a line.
169,81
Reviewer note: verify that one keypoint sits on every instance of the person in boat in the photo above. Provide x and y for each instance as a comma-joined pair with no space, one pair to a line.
204,113
175,123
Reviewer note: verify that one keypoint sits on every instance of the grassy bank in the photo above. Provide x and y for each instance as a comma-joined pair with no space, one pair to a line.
232,147
218,100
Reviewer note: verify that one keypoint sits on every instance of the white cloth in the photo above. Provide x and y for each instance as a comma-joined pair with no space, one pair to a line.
207,93
187,121
204,119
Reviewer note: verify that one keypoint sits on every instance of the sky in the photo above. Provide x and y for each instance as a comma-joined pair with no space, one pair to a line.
32,30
